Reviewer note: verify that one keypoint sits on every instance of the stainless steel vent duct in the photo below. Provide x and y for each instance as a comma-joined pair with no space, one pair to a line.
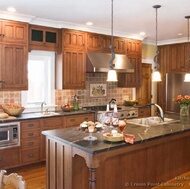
99,62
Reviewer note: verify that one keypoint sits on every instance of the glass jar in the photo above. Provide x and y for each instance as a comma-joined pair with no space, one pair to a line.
184,109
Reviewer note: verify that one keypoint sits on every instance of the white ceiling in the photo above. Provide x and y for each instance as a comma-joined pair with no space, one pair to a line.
130,16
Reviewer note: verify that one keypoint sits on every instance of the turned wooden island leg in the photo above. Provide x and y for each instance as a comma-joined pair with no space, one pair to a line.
92,178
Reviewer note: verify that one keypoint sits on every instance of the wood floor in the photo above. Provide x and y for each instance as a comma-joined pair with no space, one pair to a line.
34,175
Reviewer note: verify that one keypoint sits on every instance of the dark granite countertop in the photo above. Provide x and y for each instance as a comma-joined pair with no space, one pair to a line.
30,116
75,137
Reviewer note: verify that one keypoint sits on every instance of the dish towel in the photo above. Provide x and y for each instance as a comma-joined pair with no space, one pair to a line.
129,138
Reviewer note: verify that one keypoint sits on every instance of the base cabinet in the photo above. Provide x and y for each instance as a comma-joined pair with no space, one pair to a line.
9,157
30,141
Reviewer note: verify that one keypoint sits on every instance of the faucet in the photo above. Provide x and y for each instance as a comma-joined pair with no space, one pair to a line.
42,104
161,115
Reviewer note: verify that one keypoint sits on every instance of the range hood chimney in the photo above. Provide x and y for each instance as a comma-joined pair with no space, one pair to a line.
99,62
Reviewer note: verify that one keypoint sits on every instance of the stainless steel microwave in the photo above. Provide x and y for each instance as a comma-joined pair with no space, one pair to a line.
9,134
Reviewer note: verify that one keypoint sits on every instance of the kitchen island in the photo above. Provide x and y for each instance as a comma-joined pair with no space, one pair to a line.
158,154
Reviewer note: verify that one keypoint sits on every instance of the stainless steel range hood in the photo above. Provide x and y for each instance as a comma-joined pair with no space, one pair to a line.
99,62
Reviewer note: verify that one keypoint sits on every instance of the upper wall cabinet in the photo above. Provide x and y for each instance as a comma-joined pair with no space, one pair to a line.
71,62
13,32
73,39
13,55
44,38
134,47
119,45
98,42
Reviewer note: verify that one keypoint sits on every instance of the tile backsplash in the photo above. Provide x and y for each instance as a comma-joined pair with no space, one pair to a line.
63,96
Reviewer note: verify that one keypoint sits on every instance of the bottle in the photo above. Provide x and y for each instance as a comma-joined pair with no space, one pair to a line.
107,116
115,117
75,103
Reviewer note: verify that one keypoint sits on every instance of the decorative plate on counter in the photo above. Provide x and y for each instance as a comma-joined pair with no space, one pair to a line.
113,137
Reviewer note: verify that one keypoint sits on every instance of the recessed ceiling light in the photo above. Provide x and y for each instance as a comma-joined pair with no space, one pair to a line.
89,23
11,9
142,33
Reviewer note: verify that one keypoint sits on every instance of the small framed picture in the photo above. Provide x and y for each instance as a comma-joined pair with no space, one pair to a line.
98,90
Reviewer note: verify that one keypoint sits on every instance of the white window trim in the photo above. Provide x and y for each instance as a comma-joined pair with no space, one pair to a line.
51,104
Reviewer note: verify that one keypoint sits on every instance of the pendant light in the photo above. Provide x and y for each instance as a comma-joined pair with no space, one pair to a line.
112,75
187,75
156,74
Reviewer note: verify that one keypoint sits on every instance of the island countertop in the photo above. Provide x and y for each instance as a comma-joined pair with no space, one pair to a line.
158,154
75,137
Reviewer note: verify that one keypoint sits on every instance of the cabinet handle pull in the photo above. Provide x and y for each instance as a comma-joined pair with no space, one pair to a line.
30,125
2,81
1,159
30,155
72,120
85,119
30,143
30,134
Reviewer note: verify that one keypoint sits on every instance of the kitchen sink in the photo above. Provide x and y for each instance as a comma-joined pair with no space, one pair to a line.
46,113
151,121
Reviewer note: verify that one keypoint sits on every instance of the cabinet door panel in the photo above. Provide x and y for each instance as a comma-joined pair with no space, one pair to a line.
131,79
15,32
74,69
14,67
73,39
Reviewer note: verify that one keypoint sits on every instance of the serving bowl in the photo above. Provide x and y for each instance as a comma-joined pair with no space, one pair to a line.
67,109
13,110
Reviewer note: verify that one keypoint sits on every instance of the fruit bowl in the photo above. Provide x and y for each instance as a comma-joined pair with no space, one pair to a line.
13,110
67,108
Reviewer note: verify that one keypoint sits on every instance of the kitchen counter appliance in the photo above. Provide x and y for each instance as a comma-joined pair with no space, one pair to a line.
124,112
9,134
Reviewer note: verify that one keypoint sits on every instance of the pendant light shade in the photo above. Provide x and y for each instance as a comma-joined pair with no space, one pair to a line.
187,63
112,75
187,77
156,76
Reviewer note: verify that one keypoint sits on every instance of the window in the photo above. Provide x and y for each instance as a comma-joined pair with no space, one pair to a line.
41,69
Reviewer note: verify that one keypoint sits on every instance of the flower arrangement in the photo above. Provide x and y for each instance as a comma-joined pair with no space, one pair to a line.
182,99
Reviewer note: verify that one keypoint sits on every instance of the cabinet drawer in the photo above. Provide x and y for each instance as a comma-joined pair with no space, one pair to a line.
25,125
30,134
9,158
76,120
52,123
30,155
30,143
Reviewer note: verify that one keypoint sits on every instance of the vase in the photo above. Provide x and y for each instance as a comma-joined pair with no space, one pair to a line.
184,110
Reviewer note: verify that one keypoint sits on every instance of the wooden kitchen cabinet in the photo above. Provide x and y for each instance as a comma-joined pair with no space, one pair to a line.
71,62
119,45
134,47
13,32
73,39
9,157
71,70
44,38
144,112
98,42
178,57
49,124
131,79
13,67
76,120
13,55
30,141
93,42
